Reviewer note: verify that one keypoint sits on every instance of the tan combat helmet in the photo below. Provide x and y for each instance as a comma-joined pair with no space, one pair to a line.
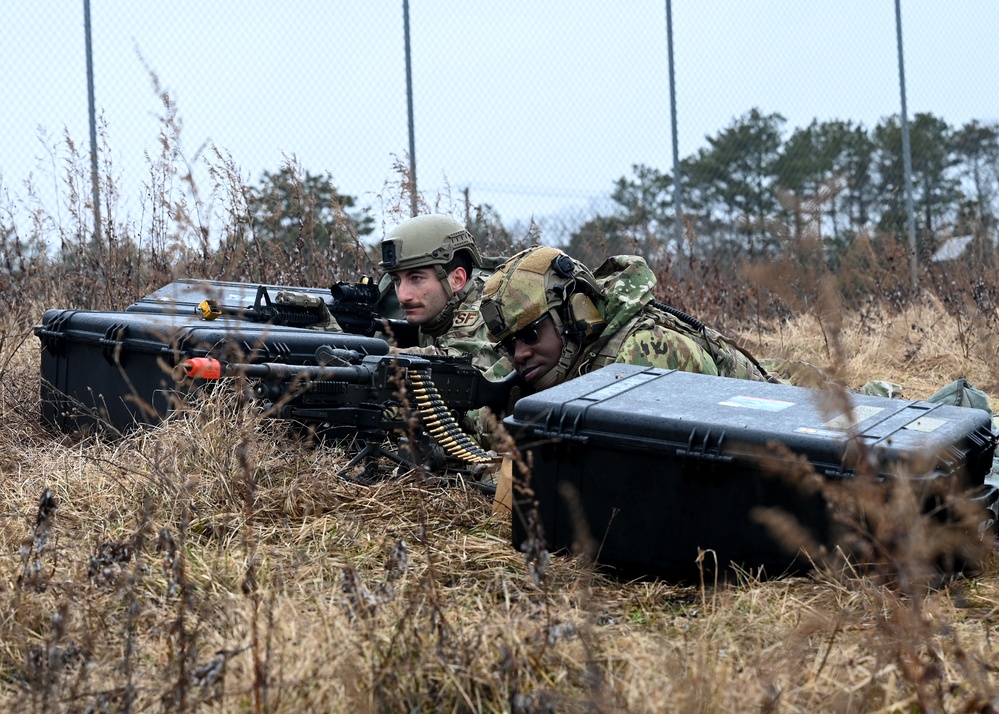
431,241
541,282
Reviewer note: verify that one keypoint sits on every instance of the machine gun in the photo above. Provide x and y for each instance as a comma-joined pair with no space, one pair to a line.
352,305
373,396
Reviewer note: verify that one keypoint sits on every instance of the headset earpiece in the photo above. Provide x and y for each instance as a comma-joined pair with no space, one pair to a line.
583,318
563,266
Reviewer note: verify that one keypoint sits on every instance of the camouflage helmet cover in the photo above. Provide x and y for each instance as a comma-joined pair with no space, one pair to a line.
529,285
427,240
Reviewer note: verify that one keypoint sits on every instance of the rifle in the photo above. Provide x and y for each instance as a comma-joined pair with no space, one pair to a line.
367,394
352,305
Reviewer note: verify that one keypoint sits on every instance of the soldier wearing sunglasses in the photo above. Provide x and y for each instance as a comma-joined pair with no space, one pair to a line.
556,320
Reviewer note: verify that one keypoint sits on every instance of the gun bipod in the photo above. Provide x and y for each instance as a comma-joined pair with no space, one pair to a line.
370,449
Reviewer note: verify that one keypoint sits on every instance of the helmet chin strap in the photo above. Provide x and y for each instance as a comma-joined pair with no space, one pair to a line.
570,350
442,276
442,321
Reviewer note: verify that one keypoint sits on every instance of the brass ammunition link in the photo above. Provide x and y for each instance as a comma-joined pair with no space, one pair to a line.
440,423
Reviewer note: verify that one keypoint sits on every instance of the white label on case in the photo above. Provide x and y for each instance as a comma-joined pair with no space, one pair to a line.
857,415
819,432
769,405
926,424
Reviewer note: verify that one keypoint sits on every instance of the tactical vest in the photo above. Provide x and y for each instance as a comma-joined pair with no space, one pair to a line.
729,358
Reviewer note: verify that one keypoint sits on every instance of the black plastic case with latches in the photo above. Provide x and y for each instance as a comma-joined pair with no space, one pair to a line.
654,468
115,369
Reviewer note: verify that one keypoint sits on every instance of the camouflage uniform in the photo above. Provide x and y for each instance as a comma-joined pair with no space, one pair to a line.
639,332
432,241
625,325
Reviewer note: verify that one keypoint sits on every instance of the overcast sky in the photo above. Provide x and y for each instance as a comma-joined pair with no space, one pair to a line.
532,105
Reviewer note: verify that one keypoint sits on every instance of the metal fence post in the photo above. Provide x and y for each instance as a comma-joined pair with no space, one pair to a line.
91,105
677,196
409,105
907,157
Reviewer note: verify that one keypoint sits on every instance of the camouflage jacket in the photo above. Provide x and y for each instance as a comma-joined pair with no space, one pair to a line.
639,332
469,335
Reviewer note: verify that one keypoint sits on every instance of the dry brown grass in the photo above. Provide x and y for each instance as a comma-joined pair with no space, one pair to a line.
922,348
214,562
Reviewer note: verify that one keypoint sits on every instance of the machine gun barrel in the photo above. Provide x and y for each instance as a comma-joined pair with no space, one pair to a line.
274,380
364,394
208,368
456,382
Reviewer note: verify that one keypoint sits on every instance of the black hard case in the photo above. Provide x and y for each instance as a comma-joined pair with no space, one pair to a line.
658,465
115,368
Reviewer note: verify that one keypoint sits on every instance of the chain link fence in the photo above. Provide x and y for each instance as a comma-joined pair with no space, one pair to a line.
538,110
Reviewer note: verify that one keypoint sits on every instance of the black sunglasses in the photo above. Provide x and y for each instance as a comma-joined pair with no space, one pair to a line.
527,336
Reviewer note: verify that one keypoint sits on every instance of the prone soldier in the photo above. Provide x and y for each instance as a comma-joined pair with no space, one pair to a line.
557,320
432,260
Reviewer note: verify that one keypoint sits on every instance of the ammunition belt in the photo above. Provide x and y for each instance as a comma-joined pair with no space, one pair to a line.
440,423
